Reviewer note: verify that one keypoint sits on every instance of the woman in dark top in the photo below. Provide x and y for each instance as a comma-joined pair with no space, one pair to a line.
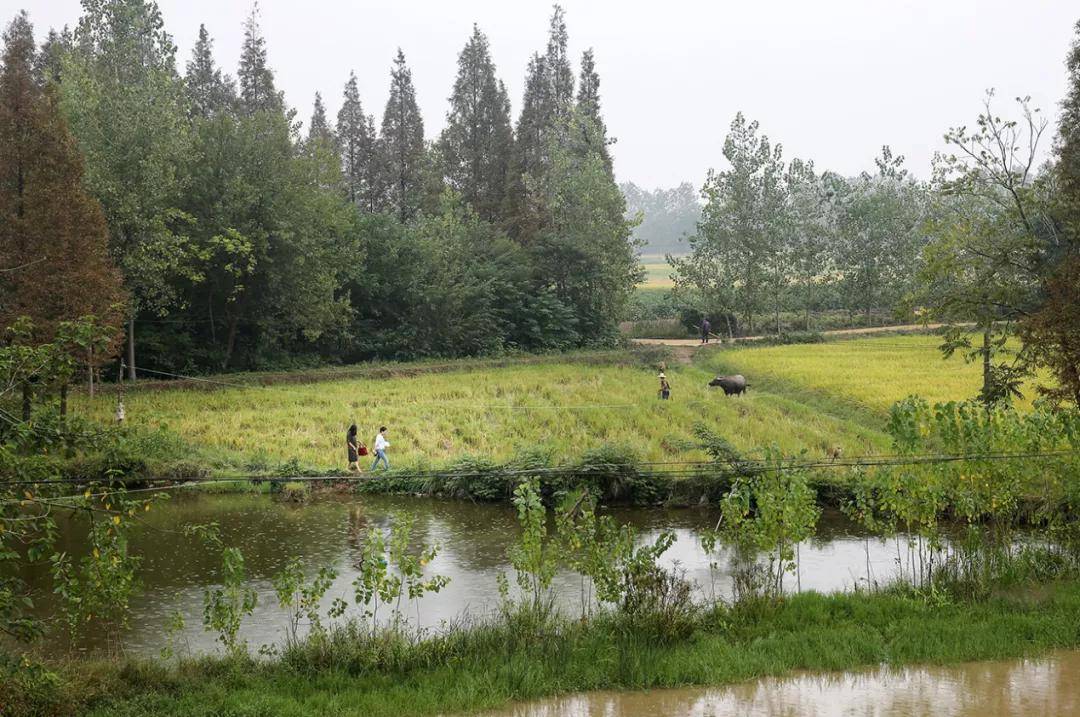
354,448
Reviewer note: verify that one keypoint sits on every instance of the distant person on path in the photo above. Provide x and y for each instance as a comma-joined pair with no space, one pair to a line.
354,448
381,444
665,387
705,327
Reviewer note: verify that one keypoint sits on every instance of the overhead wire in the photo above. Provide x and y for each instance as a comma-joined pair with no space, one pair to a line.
682,468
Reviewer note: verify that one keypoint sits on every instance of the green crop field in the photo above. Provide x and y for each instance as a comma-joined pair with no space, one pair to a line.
809,396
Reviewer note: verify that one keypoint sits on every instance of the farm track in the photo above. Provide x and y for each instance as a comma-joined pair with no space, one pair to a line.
382,371
834,333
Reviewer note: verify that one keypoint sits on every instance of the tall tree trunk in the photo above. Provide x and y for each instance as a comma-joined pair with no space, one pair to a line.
213,329
986,365
63,400
26,405
230,342
90,371
131,349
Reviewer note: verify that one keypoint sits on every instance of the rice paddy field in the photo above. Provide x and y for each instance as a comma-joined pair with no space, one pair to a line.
802,397
657,272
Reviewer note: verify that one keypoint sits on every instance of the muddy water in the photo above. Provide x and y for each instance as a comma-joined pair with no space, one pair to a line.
176,570
1046,687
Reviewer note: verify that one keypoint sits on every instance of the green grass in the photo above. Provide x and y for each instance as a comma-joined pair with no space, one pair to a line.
490,667
803,396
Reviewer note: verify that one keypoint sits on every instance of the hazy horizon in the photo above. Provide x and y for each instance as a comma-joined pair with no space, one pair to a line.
832,82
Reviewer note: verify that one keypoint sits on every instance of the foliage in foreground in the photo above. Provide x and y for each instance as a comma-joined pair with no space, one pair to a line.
486,665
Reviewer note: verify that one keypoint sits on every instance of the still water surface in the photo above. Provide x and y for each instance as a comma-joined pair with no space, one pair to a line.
473,538
1037,688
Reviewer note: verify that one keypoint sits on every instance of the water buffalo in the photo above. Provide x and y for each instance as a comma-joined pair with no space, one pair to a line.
731,384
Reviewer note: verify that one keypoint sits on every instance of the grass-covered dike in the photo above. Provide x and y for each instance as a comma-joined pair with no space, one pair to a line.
492,664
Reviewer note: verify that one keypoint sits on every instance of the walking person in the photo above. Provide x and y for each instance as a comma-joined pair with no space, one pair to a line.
381,444
705,329
665,387
353,445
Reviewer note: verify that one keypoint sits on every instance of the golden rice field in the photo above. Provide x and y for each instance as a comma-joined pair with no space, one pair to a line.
811,396
657,272
871,372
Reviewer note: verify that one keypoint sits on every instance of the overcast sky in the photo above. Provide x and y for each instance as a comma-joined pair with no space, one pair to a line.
832,80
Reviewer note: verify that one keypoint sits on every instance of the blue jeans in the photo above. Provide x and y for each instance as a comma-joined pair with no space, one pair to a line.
380,456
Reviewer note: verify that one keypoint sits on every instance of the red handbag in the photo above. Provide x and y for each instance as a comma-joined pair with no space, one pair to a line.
361,450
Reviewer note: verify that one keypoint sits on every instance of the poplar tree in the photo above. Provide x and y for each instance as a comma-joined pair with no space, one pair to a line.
53,235
127,109
402,138
475,148
359,161
208,91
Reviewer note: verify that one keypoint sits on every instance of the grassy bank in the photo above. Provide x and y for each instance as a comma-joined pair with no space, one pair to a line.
803,397
491,665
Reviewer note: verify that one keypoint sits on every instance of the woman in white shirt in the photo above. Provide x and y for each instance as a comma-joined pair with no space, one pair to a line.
381,444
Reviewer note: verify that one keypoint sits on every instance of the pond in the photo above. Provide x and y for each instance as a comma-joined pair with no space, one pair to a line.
473,539
1048,686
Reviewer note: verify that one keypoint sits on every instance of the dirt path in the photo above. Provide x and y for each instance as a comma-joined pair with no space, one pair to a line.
695,343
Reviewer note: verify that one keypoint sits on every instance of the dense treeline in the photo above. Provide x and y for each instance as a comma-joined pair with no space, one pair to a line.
668,216
992,239
245,242
778,236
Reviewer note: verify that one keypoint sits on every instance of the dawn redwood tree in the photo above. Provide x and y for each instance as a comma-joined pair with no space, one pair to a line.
319,127
53,236
588,104
475,148
127,109
359,151
1067,147
208,91
530,141
545,111
1052,331
559,74
585,251
50,59
256,79
270,224
320,149
402,137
